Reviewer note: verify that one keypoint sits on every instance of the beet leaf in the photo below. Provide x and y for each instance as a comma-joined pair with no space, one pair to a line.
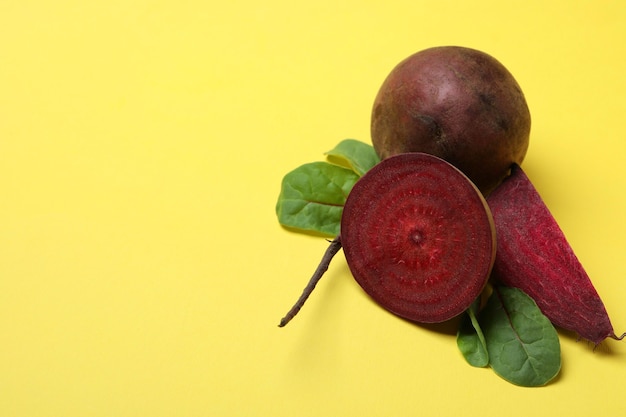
353,154
523,344
312,197
470,338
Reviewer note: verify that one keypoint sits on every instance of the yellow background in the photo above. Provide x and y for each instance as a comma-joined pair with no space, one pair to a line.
142,145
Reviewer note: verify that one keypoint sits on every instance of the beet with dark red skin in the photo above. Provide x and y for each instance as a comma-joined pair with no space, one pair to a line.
533,254
418,237
459,104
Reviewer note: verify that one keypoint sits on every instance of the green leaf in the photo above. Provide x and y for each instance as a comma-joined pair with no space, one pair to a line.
312,197
523,345
350,153
470,338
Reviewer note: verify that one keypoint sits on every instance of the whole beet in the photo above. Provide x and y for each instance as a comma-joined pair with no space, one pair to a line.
459,104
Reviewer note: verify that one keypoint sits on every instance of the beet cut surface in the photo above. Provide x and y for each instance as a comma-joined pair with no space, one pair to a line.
534,255
418,237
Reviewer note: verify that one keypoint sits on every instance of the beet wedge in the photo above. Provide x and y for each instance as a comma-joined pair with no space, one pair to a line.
534,256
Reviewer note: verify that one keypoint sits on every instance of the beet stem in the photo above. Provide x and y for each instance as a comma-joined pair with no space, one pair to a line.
332,250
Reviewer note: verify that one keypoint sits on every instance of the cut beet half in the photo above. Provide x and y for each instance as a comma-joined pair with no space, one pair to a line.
418,237
534,255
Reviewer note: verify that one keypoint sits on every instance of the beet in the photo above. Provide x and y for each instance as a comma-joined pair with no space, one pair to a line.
459,104
534,256
418,237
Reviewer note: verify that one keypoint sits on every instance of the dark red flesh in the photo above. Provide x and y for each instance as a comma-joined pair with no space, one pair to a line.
534,255
418,237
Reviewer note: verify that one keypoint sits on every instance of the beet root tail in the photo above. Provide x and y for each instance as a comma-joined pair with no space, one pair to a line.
332,250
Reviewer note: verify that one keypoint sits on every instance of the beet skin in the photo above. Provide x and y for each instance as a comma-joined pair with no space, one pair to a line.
456,103
534,255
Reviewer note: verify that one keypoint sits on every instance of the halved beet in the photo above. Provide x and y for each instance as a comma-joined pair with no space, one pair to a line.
418,237
534,255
